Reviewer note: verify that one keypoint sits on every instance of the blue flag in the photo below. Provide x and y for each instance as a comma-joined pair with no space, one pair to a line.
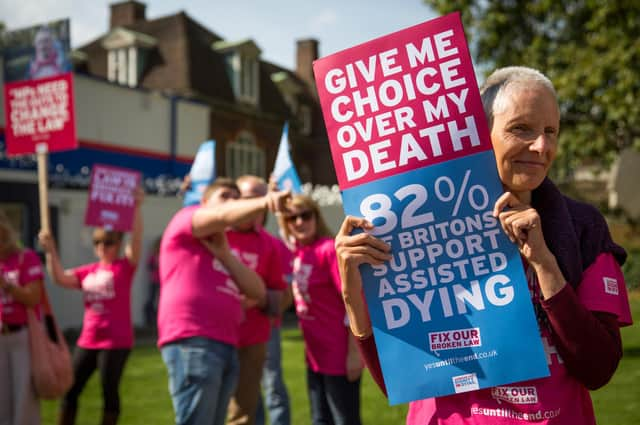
283,171
203,172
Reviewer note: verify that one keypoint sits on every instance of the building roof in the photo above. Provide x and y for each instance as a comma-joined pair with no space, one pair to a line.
187,58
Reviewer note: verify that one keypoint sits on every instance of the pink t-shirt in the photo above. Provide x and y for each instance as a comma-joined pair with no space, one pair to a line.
257,250
197,295
106,289
321,314
18,271
558,399
286,260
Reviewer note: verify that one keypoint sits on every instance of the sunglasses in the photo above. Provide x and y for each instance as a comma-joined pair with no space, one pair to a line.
105,242
305,216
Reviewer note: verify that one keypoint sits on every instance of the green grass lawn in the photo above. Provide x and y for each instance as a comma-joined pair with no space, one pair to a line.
145,399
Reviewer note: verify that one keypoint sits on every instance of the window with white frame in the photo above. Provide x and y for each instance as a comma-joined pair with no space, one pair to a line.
123,66
243,156
244,76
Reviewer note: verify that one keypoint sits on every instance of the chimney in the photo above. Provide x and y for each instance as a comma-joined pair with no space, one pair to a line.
307,52
126,13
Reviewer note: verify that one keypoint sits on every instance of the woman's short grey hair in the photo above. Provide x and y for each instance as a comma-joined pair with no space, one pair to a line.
495,85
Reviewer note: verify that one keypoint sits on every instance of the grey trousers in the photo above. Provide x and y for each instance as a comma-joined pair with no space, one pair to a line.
18,402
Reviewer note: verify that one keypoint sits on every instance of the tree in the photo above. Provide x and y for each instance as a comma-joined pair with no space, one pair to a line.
590,49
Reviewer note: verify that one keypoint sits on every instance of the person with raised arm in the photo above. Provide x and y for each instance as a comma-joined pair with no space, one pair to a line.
107,328
202,284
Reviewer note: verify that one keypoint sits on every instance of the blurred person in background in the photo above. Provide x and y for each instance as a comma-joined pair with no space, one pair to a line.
153,284
107,329
259,250
334,365
275,397
202,284
21,280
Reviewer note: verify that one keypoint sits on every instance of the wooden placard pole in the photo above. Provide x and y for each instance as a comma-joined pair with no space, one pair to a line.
42,152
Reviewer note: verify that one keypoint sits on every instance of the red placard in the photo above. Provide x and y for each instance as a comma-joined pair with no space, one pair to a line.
111,201
40,111
401,102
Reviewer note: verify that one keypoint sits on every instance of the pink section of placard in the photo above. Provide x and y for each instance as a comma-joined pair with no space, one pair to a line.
401,102
111,198
40,111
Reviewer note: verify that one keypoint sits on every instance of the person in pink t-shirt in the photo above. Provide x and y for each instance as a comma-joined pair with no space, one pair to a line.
334,365
257,249
107,330
21,278
202,283
572,268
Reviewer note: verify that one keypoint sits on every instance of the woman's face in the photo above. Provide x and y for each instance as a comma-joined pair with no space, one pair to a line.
301,223
525,135
106,248
44,45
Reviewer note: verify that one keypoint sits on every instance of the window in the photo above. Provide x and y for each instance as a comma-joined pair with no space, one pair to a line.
243,68
127,52
243,156
244,77
123,66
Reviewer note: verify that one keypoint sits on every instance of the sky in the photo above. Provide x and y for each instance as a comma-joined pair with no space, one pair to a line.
274,25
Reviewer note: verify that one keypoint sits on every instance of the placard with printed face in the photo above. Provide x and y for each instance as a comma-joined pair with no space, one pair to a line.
111,200
38,89
451,311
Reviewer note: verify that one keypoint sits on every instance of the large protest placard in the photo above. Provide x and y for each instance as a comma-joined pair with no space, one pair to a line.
111,201
38,90
451,311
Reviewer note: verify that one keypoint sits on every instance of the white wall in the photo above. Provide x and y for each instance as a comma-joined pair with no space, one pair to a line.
120,116
193,128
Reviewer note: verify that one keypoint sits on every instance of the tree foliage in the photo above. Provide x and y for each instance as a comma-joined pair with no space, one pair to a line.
590,49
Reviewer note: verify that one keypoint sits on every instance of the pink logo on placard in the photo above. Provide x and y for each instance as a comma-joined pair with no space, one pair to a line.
610,285
40,111
455,338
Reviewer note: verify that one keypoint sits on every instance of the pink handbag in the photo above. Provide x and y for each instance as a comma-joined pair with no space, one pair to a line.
51,369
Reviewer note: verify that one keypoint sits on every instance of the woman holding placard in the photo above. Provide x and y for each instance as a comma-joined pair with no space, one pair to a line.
107,330
21,278
334,365
572,268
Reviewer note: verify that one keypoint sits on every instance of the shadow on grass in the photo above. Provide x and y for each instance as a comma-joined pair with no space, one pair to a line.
631,352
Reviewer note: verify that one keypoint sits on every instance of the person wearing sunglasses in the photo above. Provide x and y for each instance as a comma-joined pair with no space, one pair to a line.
334,365
107,329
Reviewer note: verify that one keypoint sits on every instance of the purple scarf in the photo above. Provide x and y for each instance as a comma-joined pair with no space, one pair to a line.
575,232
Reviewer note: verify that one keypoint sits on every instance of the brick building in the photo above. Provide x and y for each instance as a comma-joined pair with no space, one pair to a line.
249,98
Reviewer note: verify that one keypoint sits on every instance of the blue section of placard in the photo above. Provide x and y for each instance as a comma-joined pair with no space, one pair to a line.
452,307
